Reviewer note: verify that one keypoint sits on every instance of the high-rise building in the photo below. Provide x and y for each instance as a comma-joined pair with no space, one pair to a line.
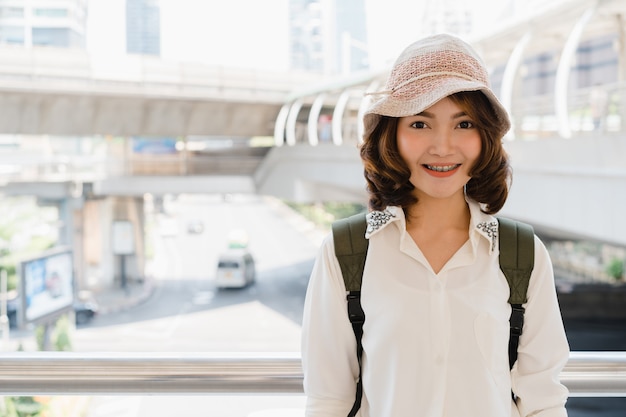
143,27
449,16
60,23
328,36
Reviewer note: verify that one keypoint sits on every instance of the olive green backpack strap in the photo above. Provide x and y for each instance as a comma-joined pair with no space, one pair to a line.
351,250
517,259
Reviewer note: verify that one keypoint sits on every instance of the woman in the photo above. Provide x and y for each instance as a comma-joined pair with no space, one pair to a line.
436,330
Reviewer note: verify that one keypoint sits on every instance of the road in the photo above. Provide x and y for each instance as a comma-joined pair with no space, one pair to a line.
187,313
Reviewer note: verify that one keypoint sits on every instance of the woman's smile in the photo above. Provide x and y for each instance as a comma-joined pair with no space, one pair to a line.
441,171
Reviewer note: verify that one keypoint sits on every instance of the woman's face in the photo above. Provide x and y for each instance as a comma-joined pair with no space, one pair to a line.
440,146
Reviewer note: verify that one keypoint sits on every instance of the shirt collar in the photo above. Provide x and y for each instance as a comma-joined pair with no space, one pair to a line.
378,220
481,224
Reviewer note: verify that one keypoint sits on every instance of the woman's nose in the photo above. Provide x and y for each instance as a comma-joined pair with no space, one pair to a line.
441,143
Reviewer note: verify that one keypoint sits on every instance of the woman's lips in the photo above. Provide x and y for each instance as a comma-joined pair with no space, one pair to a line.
441,170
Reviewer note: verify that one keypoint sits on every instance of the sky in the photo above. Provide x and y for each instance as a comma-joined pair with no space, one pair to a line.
243,33
253,33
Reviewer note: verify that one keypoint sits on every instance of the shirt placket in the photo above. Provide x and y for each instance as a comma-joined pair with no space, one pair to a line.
440,328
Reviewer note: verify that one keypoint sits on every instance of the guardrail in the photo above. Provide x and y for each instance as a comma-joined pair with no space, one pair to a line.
587,374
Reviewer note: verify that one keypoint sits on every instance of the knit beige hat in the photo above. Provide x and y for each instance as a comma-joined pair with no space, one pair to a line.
427,71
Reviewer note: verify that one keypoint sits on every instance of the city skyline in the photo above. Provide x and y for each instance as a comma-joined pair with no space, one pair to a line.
259,37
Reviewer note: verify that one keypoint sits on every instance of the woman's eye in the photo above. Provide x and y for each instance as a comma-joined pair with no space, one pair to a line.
466,125
418,125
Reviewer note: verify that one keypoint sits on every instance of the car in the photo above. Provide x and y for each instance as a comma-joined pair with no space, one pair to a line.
235,269
84,306
195,227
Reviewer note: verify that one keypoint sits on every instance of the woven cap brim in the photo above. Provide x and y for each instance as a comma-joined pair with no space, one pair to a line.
398,107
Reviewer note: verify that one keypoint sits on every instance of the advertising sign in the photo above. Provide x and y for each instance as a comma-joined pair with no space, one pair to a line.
47,285
123,238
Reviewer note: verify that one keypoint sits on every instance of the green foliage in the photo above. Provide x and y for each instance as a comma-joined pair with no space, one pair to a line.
12,279
20,233
615,268
21,407
60,335
323,214
33,406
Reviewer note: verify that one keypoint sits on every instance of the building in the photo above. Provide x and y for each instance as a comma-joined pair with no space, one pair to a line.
143,27
328,36
60,23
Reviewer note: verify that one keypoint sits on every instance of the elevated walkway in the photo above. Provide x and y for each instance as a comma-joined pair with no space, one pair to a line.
60,91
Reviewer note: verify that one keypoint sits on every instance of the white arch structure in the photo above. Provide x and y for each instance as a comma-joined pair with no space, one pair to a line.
292,118
314,116
563,71
279,126
519,40
338,112
509,76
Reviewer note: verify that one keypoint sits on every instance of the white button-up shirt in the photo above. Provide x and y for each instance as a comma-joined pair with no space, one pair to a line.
434,345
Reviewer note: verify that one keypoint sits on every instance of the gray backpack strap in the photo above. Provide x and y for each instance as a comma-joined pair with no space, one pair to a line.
517,259
351,250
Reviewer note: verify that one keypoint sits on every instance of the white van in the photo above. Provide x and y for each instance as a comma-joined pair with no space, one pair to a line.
235,269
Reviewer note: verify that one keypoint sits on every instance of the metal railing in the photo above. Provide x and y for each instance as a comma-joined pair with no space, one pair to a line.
587,374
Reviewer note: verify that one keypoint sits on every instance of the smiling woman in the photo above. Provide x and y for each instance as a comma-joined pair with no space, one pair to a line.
434,334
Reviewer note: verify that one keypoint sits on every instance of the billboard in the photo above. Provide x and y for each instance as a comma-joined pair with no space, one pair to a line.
47,285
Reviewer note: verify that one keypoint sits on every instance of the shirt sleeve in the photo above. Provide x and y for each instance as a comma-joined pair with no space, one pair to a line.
328,343
543,349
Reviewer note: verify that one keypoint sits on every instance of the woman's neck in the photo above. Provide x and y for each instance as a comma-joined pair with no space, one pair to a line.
437,214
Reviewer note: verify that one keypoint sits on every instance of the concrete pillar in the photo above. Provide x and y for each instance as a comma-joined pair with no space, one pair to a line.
70,212
102,265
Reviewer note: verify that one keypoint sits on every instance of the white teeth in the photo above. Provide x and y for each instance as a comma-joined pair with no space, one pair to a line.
445,168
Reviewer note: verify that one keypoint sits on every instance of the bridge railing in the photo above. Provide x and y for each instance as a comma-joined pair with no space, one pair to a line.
587,374
594,110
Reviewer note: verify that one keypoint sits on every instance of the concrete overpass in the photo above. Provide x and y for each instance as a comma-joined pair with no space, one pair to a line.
59,91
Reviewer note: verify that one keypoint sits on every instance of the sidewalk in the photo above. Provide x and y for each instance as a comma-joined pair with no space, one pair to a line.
115,298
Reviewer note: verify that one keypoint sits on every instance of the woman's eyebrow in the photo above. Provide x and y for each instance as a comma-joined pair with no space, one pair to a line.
432,116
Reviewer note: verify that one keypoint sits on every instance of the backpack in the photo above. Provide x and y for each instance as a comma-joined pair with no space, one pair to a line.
517,259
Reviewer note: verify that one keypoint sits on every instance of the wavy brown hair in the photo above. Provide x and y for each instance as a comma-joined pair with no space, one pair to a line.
387,175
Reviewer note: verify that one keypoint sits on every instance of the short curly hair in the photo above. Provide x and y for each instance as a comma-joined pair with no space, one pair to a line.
387,175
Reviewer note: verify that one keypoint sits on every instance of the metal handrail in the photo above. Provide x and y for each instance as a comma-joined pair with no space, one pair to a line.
587,374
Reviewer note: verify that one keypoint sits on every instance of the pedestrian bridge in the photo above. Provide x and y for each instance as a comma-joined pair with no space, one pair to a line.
61,91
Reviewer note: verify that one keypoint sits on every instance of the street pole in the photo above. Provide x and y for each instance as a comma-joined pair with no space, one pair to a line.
4,318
